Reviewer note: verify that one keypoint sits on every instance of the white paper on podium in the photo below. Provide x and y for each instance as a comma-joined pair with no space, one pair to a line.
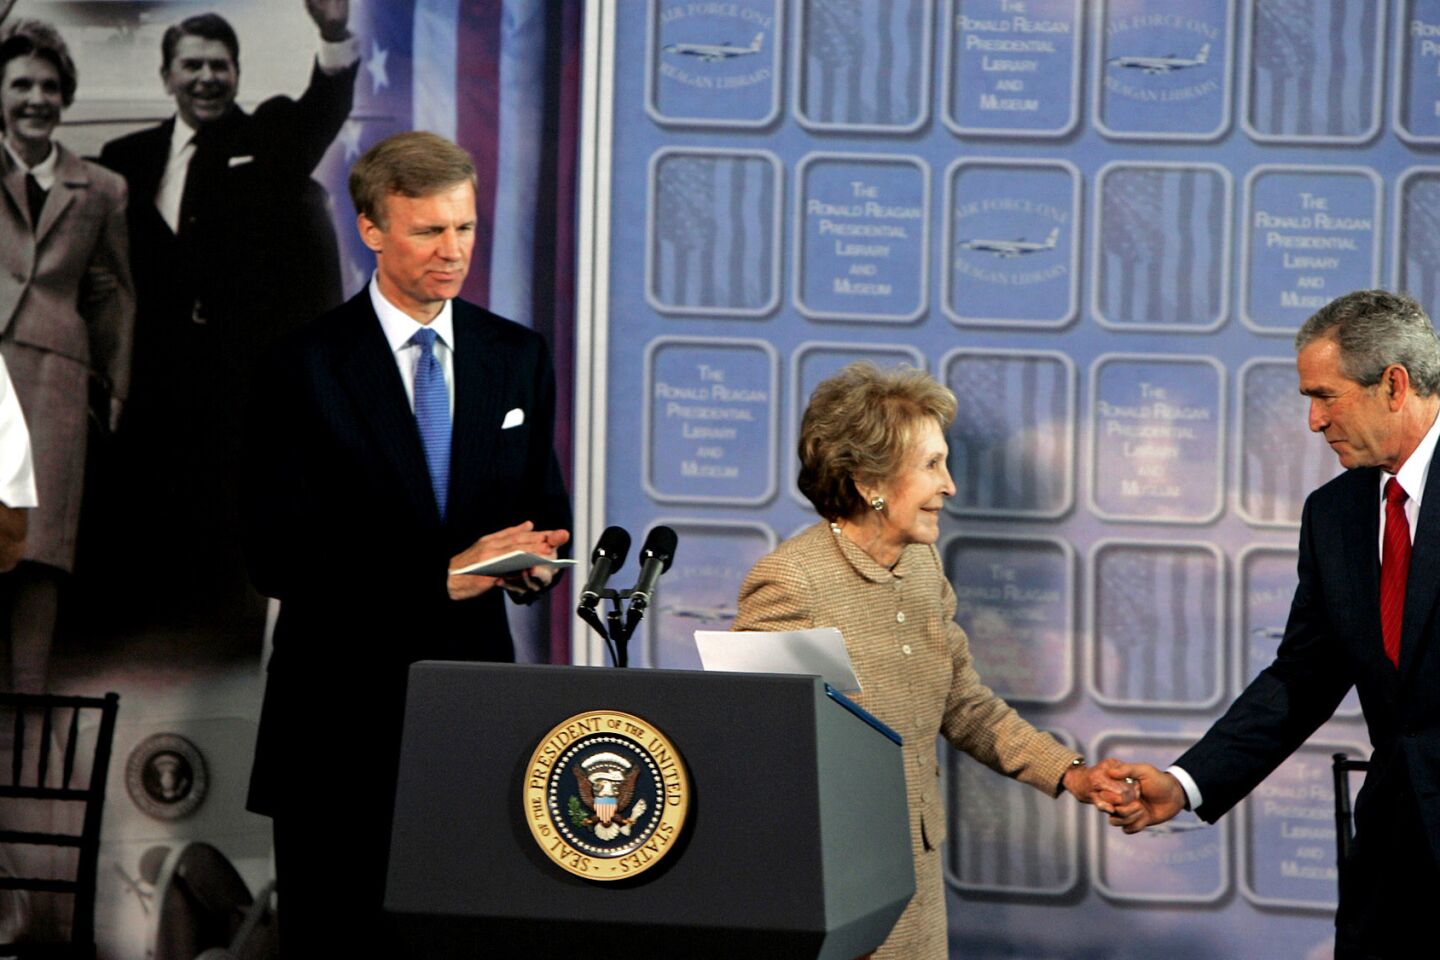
816,652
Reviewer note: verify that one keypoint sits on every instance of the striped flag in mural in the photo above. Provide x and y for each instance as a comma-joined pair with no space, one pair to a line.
1418,259
1006,836
1011,445
1162,245
491,101
1281,461
864,62
1156,629
714,237
1315,68
382,108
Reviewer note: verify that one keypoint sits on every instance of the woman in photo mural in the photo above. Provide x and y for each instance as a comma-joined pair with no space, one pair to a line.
67,310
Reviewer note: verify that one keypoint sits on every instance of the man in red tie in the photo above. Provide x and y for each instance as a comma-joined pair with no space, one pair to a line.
1364,615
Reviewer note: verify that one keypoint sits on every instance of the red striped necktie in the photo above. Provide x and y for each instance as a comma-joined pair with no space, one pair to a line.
1394,568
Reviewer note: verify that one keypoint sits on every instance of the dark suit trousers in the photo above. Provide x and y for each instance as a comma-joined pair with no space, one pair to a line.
330,871
1390,886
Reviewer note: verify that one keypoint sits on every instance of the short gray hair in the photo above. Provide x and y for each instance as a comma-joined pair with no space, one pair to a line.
1375,329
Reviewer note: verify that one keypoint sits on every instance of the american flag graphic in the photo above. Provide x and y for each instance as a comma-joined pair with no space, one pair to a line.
1419,253
1157,631
713,245
1161,245
1314,69
1011,445
1281,461
1006,836
864,62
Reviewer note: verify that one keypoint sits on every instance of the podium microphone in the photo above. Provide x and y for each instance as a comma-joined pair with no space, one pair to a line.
655,559
608,556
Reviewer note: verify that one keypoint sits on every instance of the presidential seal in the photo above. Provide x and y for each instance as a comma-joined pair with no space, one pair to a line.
606,795
166,776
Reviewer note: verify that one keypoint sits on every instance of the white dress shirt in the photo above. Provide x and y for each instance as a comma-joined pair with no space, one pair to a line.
399,327
1412,480
177,166
44,171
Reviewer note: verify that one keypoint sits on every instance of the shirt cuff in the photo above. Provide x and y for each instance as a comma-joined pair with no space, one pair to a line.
337,56
1192,790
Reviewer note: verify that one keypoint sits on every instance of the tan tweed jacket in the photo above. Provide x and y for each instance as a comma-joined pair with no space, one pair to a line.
916,674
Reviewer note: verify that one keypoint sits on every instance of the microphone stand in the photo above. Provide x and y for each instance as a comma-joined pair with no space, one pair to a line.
619,632
617,637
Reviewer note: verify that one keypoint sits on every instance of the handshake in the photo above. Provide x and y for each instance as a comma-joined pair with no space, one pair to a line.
1136,795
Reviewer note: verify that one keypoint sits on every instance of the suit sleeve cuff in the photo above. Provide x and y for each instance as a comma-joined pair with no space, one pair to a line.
339,55
1192,789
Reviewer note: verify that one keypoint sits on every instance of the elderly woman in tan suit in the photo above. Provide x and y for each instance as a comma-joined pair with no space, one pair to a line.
873,462
67,308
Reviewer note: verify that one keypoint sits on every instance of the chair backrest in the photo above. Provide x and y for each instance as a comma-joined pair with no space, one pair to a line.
42,777
1341,767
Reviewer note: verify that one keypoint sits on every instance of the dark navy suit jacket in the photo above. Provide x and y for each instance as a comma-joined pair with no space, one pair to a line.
341,526
1333,642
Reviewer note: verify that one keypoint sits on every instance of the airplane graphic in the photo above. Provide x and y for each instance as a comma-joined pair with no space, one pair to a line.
714,52
1166,64
1006,249
723,613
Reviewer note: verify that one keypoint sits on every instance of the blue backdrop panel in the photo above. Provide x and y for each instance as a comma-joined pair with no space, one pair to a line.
1162,246
1012,76
1100,225
1311,233
1010,246
1182,862
1278,461
1016,597
1011,452
1007,839
1166,74
1289,828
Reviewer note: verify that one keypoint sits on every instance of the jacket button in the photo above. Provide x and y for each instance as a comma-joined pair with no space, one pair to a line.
900,617
906,648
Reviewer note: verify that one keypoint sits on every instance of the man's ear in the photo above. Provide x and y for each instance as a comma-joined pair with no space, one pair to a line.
370,233
1397,384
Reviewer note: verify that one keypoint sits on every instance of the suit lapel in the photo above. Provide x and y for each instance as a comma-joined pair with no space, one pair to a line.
1357,534
71,180
150,166
371,379
1423,584
478,397
14,179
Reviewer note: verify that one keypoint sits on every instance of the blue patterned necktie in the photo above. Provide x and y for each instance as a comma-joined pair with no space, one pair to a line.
432,414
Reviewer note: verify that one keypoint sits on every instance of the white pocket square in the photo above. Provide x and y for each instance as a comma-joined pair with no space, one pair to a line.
237,161
513,419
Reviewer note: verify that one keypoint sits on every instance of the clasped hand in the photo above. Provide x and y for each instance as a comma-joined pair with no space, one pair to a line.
522,536
1099,785
1159,797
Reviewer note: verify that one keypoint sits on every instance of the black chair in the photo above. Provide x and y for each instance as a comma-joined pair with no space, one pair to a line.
1342,767
65,782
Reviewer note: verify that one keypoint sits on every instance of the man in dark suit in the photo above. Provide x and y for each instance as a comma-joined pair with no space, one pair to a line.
1364,615
232,245
355,511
